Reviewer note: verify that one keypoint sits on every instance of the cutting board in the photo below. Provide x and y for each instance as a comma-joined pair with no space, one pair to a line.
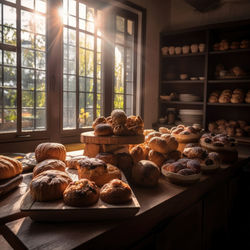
89,137
58,211
9,184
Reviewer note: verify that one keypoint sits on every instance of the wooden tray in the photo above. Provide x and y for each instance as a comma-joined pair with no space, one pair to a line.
9,184
89,137
58,211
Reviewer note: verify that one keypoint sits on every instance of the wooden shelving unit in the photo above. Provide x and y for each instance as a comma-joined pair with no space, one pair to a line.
204,64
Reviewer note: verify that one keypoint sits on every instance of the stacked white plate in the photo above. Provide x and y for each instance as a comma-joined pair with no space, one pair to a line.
188,98
191,116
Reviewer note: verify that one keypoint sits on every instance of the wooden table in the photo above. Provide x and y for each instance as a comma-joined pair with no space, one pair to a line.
158,205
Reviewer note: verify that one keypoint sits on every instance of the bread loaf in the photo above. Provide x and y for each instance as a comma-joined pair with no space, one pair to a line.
9,167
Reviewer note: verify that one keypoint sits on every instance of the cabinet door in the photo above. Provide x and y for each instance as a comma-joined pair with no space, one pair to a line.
215,219
183,231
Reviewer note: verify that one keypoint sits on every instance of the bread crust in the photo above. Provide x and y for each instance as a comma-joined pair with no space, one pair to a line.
103,129
9,167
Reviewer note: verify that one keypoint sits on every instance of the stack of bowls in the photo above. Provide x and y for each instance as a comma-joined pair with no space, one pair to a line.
188,98
191,116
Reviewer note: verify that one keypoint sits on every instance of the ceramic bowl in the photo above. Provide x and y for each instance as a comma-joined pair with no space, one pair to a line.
183,76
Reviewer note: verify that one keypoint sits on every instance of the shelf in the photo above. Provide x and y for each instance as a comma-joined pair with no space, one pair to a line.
231,51
182,81
180,103
230,81
184,55
230,104
243,139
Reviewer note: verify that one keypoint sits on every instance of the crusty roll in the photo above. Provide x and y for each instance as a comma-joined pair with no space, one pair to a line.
151,135
99,120
72,163
159,144
118,117
137,153
9,167
49,185
125,163
195,152
148,131
81,193
49,150
156,157
146,173
164,130
103,129
108,158
120,129
116,192
49,164
171,142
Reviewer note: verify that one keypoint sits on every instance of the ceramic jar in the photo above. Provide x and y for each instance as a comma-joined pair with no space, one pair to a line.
183,76
185,49
177,50
194,48
164,50
202,47
171,50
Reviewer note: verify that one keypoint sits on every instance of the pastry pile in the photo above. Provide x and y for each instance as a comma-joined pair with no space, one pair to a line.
226,45
229,96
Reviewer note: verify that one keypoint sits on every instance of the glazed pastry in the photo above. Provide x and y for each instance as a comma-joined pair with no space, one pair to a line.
9,167
194,152
49,150
212,161
194,165
116,192
49,164
186,134
173,167
81,193
49,185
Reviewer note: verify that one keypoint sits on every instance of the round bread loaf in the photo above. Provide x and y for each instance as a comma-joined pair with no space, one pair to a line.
49,185
118,117
72,163
108,158
112,173
159,144
146,173
49,164
81,193
103,129
156,157
116,192
9,167
125,163
50,150
137,154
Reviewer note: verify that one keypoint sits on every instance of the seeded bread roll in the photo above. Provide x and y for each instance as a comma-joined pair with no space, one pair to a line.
171,142
81,193
118,117
116,192
49,150
103,129
49,164
99,120
159,144
146,173
9,167
49,185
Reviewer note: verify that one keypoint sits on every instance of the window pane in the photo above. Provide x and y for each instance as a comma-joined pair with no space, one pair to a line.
28,76
40,119
40,99
118,101
89,63
120,23
27,39
9,16
69,110
40,42
82,10
27,99
81,83
40,60
27,21
119,69
9,36
28,3
28,59
8,124
40,80
41,5
9,100
40,24
27,119
9,77
90,42
90,14
130,27
9,58
89,84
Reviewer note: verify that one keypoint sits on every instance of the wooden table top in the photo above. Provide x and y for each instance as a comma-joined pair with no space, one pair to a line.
157,204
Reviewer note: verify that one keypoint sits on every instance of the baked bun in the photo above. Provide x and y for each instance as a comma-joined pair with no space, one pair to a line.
186,171
151,135
103,129
148,131
186,134
156,157
211,162
50,150
164,130
171,142
9,167
49,185
159,144
72,163
108,158
173,167
99,120
137,154
213,99
116,192
49,164
125,163
120,129
146,173
135,125
194,152
118,117
194,165
81,193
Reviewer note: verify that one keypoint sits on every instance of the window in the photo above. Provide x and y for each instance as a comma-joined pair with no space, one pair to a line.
82,65
86,43
125,59
23,66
